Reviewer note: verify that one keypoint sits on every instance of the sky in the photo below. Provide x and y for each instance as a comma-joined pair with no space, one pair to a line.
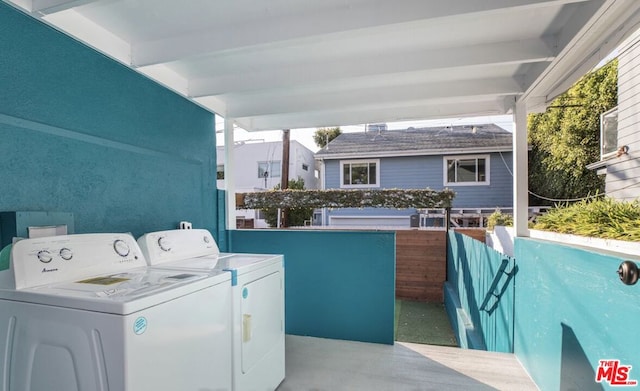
305,136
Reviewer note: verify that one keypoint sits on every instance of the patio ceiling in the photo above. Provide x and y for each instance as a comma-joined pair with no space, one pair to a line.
277,64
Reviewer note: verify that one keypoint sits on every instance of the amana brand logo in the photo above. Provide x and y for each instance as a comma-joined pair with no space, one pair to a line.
614,373
45,270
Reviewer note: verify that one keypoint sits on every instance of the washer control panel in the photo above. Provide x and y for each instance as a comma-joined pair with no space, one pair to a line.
48,260
174,245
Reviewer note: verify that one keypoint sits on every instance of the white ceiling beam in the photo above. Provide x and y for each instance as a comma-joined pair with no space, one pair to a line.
26,5
214,104
516,52
616,35
593,33
92,34
303,101
45,7
567,39
507,103
309,24
536,104
166,77
371,115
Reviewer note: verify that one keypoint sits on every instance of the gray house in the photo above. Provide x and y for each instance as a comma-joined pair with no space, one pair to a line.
473,160
620,134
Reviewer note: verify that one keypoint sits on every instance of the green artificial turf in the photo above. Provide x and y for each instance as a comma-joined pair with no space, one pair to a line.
425,323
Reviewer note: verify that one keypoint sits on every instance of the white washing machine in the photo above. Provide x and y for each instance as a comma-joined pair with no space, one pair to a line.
257,295
84,313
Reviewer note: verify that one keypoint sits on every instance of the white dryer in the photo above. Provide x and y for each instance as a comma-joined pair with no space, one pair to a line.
84,313
257,296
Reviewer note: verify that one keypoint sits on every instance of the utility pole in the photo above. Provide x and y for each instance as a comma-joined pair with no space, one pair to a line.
284,178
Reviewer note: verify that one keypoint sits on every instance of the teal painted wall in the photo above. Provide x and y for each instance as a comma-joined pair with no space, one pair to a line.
479,294
338,284
84,134
571,312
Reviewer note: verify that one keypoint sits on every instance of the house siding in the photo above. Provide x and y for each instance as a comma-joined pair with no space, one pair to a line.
623,173
84,134
419,172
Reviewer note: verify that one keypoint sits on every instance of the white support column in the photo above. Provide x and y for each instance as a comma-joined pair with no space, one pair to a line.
323,186
229,178
520,171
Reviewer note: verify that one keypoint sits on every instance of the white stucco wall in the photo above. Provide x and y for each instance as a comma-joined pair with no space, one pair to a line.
247,155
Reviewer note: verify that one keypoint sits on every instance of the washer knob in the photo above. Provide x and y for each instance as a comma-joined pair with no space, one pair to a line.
44,256
66,254
206,239
121,247
164,243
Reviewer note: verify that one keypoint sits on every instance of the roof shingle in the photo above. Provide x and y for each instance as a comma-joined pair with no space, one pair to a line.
419,140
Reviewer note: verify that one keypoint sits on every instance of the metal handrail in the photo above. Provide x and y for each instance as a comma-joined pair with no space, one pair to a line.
494,284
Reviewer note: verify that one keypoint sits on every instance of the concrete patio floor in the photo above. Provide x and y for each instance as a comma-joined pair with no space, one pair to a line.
316,364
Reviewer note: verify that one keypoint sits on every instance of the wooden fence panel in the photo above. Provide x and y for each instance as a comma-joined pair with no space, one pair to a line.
421,263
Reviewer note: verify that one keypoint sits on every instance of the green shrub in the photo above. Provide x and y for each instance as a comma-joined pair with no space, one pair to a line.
603,218
499,218
296,216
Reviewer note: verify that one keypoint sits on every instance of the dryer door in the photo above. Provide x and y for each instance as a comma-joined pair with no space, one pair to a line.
262,318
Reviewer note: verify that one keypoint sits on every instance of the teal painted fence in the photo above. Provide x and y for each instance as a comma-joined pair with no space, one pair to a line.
338,284
84,134
479,294
573,311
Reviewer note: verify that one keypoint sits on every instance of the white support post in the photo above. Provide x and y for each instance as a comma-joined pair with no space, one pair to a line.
520,171
229,178
323,182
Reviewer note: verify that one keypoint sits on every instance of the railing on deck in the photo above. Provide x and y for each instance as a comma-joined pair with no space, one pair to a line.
470,217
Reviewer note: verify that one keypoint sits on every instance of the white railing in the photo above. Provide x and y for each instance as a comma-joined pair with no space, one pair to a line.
470,217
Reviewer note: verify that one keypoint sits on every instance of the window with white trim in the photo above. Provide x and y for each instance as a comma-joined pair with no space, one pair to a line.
269,169
360,173
609,134
466,170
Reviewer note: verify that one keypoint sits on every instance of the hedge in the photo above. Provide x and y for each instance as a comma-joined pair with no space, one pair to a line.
339,198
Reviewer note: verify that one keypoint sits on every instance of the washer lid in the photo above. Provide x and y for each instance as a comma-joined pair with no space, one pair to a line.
238,262
119,293
245,263
204,263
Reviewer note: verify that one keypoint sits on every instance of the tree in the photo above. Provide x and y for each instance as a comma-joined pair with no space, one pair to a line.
297,216
566,138
323,136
